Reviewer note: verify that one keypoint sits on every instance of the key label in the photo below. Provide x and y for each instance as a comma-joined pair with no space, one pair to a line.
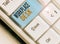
48,40
22,9
6,2
25,15
33,28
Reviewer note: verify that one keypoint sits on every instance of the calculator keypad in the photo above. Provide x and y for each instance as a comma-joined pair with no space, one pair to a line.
39,21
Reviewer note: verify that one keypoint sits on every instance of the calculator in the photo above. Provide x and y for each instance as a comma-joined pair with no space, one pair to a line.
34,21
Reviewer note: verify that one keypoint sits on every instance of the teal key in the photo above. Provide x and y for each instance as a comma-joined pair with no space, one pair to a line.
26,12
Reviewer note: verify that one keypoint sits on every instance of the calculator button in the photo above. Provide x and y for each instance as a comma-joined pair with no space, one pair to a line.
44,2
26,12
36,28
50,13
57,26
11,5
57,3
50,37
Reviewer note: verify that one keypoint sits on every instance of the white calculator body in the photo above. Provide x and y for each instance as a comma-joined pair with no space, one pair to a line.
35,21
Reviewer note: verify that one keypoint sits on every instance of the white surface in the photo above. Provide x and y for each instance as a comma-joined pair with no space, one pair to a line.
39,28
6,37
49,13
11,6
50,37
